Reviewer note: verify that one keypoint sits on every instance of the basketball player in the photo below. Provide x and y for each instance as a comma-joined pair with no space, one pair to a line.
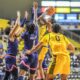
59,46
12,50
29,63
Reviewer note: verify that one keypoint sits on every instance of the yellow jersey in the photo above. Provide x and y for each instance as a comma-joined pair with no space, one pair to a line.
43,51
42,31
57,42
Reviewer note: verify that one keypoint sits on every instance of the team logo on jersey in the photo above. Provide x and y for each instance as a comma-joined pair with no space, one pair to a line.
32,37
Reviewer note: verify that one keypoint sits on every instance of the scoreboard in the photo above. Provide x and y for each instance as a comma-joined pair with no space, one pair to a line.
59,17
63,6
71,16
65,10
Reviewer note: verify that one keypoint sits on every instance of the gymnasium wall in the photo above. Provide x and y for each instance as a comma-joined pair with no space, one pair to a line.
8,8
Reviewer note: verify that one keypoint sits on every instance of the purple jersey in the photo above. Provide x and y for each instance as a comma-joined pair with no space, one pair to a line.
30,61
30,39
12,47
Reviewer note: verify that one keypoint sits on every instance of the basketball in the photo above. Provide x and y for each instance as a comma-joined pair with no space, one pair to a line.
51,11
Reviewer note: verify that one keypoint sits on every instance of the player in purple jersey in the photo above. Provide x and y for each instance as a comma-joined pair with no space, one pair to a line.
2,54
12,50
29,62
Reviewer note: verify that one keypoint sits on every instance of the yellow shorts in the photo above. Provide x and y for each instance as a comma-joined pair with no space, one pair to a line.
42,53
61,65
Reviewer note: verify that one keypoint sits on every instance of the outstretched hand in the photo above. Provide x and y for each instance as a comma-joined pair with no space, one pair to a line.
26,14
28,52
18,17
18,14
35,4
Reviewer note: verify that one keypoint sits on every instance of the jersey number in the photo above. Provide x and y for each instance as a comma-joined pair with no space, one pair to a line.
57,38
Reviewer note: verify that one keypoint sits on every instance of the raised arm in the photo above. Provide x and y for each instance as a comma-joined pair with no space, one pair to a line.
35,48
15,27
49,11
24,19
35,8
47,21
71,48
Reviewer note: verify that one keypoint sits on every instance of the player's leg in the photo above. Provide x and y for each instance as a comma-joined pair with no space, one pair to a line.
45,65
7,74
42,69
24,66
64,77
42,63
9,64
58,67
15,73
50,73
14,70
66,69
32,73
32,77
33,67
21,74
50,77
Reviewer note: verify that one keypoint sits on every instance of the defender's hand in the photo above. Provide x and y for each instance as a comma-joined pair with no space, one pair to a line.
26,14
28,52
35,5
18,17
18,14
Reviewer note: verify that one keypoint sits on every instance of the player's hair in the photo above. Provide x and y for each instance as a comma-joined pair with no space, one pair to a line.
56,28
30,28
7,31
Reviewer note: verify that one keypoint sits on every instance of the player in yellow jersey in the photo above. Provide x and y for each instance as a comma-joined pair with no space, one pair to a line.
44,28
59,46
41,58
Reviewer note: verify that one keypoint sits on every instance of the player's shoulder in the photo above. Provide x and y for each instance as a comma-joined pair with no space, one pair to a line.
47,34
62,35
43,26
